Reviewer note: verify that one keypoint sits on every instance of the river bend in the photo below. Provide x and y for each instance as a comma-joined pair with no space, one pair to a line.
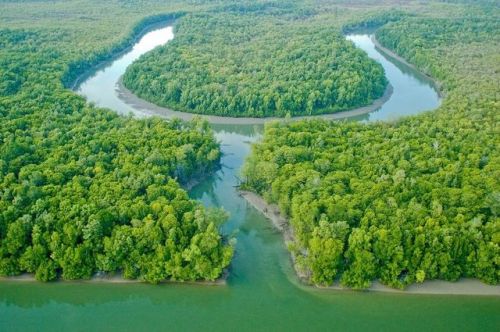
262,291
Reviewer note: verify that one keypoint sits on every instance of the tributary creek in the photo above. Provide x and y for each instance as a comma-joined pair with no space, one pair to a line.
262,291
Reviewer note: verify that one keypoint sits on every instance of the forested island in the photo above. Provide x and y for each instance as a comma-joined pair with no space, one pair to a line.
400,202
249,62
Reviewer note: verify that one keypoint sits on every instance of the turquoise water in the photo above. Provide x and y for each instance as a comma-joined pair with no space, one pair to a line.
262,292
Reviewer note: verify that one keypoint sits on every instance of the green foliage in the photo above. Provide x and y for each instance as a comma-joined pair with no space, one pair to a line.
419,196
374,21
258,64
79,67
86,190
82,189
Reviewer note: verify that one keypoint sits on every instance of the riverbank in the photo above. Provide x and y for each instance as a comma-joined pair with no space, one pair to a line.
199,176
391,54
129,98
272,213
460,287
102,60
117,278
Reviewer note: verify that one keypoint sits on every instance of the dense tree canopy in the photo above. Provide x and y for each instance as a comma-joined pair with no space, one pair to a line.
401,202
83,190
86,191
256,64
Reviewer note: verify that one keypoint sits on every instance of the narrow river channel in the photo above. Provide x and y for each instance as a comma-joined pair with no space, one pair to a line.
262,292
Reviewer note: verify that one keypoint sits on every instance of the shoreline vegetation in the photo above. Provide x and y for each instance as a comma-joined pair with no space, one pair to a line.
83,69
141,214
152,109
261,78
117,278
465,286
468,286
113,55
279,222
384,50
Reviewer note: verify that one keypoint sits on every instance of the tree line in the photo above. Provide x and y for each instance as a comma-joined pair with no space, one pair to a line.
399,202
256,64
83,190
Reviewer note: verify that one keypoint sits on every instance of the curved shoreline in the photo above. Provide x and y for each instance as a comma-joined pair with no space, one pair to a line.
391,54
464,286
101,64
134,101
118,51
151,109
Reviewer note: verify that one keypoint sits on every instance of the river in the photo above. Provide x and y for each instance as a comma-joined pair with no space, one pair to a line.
262,291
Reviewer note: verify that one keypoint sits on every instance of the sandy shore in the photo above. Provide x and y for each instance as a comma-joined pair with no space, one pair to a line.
461,287
118,279
272,212
136,102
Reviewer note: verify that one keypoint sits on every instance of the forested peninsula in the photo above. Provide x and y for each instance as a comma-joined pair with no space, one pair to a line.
398,202
85,191
257,63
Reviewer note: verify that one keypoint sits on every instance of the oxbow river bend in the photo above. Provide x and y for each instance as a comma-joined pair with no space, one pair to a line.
262,292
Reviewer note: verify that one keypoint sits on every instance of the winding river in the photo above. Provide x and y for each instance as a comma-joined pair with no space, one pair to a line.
262,292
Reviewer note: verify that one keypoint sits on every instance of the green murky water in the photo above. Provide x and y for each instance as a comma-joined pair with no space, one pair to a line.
262,292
